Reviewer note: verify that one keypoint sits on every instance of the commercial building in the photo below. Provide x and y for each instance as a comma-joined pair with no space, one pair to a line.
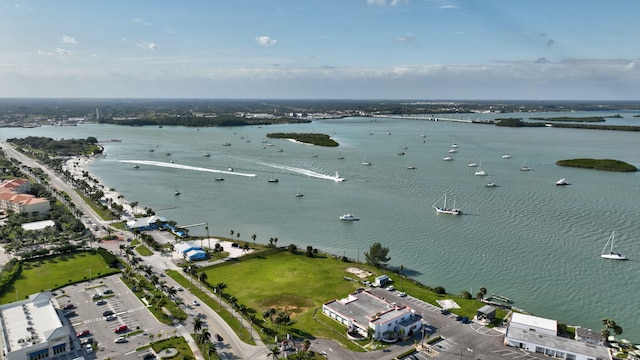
146,223
363,312
32,329
13,197
540,335
190,251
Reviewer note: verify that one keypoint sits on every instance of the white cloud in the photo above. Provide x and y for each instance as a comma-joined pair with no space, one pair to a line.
141,21
69,40
265,40
386,2
404,39
61,51
147,45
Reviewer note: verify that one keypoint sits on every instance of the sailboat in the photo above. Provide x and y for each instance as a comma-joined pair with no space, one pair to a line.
524,166
611,253
506,155
206,154
447,157
365,162
480,172
444,210
340,157
176,192
491,184
472,163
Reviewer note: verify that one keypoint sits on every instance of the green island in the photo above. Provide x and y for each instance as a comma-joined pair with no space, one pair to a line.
598,164
572,119
307,138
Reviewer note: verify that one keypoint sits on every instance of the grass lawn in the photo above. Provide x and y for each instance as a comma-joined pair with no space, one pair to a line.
300,285
144,251
53,272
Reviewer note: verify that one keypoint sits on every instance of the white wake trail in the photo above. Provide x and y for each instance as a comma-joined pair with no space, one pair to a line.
336,177
184,167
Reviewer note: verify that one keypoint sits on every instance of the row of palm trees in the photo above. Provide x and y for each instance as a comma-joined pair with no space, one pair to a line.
203,337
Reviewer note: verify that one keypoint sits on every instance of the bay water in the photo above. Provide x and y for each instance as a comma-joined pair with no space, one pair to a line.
528,239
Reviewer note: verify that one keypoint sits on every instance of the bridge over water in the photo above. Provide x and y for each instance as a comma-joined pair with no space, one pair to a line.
426,118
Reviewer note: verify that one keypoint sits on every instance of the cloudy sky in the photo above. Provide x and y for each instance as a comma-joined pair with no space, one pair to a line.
324,49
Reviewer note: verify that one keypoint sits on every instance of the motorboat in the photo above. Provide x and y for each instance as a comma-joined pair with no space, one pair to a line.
349,217
219,179
562,181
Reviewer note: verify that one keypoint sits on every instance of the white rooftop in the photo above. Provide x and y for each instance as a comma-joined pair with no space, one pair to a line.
534,321
30,321
38,225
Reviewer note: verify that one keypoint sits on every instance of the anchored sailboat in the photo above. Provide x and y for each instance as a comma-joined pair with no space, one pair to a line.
445,210
611,253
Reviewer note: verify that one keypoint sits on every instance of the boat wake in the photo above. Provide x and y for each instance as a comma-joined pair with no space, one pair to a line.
184,167
336,177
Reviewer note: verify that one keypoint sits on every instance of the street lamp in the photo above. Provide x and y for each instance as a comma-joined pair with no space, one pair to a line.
89,275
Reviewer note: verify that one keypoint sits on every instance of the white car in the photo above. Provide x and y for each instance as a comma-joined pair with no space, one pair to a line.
196,303
390,288
120,340
402,294
89,348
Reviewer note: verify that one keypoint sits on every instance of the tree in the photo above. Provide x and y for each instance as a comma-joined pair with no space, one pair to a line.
254,236
274,352
219,288
377,255
197,324
211,349
610,325
203,278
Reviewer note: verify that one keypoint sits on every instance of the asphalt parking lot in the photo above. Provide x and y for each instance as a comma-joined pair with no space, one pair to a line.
127,311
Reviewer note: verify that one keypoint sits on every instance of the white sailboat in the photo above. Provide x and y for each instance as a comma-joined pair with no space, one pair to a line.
524,166
506,155
480,172
365,162
445,210
447,157
609,251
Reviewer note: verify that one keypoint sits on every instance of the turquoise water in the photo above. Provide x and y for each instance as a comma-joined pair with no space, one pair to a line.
528,239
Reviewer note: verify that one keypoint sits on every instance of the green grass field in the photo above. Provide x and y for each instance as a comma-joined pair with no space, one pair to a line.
300,285
54,272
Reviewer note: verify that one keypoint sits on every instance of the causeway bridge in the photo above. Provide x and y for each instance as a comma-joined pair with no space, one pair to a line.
422,117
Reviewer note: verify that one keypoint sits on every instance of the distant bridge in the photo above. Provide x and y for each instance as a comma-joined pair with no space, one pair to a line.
427,118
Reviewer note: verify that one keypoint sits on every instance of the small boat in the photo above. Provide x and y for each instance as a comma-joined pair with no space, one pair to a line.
230,169
447,158
491,184
611,252
472,164
219,179
500,298
299,194
453,150
314,155
365,162
349,217
411,167
445,210
226,144
206,155
524,166
280,150
400,152
136,167
506,155
404,148
176,192
562,181
454,144
480,172
340,157
272,179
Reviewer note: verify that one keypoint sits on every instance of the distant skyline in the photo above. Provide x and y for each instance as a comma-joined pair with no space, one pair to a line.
321,49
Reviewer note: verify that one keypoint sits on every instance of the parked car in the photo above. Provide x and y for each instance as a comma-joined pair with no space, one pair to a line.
464,320
68,306
196,303
111,317
444,312
83,333
108,291
101,302
402,294
96,296
121,328
69,314
120,339
391,288
107,313
458,317
218,337
86,341
148,356
89,348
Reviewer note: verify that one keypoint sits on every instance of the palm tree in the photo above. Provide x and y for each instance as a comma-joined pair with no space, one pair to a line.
197,324
219,288
202,277
238,235
254,236
211,349
233,301
268,314
231,232
274,352
172,291
205,336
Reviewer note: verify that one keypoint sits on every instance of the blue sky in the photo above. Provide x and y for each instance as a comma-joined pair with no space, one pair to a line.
324,49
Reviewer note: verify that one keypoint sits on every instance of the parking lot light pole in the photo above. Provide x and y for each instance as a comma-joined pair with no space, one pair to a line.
89,275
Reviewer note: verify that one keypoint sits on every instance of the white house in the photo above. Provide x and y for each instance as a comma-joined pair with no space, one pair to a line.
32,329
362,311
540,335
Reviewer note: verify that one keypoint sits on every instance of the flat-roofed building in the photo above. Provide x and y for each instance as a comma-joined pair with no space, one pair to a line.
32,329
13,197
539,335
362,311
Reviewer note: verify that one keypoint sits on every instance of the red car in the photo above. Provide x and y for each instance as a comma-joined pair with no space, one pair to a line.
84,333
68,306
121,328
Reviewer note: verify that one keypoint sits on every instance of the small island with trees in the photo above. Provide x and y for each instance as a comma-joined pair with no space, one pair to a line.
307,138
598,164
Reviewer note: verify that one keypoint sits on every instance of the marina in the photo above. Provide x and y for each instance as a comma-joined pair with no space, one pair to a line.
495,243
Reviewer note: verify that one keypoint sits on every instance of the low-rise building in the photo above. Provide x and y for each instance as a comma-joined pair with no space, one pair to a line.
363,312
32,329
190,251
540,335
146,223
13,197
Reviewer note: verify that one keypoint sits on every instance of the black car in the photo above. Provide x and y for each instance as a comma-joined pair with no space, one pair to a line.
108,291
148,356
219,338
107,313
458,317
70,314
444,312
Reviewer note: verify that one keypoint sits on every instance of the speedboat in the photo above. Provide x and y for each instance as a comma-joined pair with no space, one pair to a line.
349,217
562,181
219,179
299,194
